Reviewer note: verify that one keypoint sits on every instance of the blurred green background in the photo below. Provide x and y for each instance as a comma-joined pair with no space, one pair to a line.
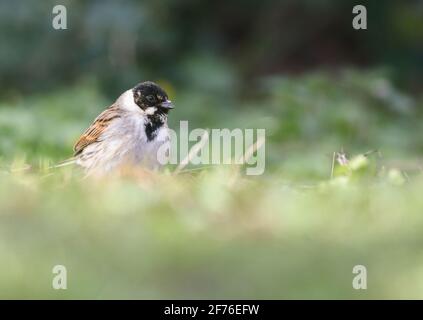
297,69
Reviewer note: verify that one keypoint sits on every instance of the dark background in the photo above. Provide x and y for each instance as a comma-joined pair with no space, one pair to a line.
222,45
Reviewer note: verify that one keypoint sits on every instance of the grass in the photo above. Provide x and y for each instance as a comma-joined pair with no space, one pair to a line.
193,236
294,232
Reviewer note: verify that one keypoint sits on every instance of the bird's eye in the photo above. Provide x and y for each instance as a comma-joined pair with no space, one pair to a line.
150,98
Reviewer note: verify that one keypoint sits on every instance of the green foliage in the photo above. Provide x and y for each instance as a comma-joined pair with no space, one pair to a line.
122,43
46,126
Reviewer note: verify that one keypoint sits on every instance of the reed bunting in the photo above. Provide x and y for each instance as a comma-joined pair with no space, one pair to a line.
130,132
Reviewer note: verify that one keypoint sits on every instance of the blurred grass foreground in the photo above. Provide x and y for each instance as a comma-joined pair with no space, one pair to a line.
295,232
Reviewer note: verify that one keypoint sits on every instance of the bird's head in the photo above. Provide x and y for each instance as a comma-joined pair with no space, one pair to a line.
151,98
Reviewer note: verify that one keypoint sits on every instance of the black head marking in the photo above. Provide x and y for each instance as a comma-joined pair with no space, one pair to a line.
148,94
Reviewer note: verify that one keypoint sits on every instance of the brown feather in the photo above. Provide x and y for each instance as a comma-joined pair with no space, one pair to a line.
92,134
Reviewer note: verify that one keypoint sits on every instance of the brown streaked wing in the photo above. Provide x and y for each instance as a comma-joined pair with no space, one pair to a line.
96,129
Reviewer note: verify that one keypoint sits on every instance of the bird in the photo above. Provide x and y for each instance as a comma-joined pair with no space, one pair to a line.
133,131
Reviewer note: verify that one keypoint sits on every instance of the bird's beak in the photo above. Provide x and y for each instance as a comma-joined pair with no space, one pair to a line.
167,104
